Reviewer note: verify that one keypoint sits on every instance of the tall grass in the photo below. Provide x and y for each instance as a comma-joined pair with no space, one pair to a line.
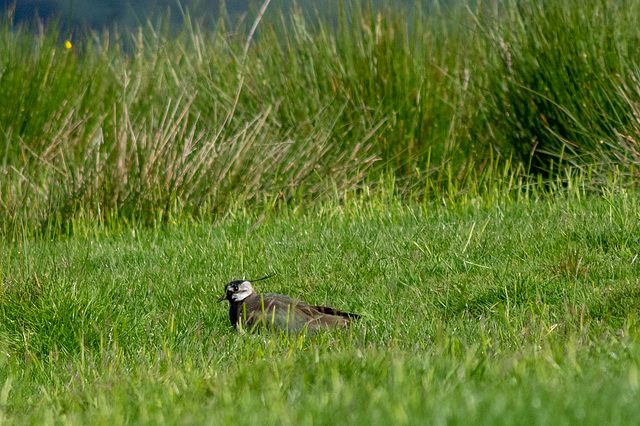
563,81
145,123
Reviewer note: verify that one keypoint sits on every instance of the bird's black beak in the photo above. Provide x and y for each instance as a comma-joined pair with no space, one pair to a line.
224,296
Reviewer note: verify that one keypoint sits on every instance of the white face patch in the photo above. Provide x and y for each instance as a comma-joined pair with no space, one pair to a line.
244,290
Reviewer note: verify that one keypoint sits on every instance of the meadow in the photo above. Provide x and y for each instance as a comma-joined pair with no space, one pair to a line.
463,176
516,310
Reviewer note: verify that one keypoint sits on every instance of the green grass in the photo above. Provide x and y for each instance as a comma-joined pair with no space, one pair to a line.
151,122
465,178
517,310
563,81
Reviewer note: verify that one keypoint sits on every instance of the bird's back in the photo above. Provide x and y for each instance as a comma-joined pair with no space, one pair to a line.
289,314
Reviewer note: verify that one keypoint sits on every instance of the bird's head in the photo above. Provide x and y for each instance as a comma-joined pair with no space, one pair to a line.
238,290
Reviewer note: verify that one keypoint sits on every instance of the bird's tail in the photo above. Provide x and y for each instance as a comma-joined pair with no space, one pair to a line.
333,311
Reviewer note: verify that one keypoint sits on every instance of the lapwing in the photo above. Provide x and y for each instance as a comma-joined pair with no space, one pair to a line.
249,310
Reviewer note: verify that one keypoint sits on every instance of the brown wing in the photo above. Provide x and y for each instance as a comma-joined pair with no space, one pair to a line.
293,315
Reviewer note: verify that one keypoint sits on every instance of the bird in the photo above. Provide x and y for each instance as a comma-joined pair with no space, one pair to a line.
249,310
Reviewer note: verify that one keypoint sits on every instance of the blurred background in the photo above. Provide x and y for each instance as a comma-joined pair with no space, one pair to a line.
97,14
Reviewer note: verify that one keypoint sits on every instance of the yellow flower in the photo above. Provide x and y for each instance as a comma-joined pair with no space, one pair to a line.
68,44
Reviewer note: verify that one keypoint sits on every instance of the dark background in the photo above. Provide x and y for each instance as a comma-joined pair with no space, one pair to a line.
97,14
105,13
